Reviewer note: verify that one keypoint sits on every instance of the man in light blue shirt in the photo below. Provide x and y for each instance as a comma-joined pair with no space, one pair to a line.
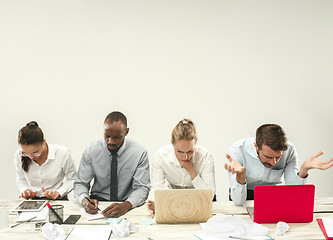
264,161
130,172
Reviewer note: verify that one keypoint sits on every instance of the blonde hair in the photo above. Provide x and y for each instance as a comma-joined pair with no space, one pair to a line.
185,129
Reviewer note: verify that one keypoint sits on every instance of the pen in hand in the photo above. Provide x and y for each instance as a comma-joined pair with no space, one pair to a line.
92,203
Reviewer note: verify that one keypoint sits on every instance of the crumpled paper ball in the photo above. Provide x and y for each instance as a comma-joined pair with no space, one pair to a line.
281,228
122,229
53,232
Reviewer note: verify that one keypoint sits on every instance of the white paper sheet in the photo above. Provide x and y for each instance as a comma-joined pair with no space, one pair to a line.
100,232
90,217
227,236
328,224
40,216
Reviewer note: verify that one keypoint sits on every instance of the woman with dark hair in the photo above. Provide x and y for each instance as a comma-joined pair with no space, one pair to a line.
42,170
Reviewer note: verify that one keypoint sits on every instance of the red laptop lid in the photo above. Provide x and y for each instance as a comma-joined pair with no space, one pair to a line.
287,203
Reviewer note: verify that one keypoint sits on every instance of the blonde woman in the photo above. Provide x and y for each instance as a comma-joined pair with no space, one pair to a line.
182,164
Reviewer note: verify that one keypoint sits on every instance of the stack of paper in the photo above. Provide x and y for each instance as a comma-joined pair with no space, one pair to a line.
40,216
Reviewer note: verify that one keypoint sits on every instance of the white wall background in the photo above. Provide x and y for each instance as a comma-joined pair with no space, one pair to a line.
230,66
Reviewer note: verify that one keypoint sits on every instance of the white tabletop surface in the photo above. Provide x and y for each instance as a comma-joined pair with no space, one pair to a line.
167,231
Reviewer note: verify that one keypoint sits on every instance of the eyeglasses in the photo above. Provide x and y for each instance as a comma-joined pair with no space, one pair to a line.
36,154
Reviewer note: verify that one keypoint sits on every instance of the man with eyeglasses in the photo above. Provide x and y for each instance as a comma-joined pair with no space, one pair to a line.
264,161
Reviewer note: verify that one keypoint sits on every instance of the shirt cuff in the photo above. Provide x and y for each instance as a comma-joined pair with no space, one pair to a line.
82,196
238,193
240,187
62,191
198,182
300,180
133,202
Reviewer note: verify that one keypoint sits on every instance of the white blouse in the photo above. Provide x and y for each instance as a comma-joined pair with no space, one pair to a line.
57,173
166,172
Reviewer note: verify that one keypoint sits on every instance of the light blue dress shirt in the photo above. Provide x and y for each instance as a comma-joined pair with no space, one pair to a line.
244,152
132,172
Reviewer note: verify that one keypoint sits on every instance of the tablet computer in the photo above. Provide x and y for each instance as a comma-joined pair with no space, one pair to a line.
30,205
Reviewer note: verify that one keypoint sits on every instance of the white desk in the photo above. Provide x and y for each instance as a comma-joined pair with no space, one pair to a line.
168,231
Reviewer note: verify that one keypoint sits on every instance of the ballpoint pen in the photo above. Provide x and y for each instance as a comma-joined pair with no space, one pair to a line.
92,203
18,223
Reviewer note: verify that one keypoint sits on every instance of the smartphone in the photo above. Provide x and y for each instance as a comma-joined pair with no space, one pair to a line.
72,219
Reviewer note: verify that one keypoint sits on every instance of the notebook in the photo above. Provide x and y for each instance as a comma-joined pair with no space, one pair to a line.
287,203
183,205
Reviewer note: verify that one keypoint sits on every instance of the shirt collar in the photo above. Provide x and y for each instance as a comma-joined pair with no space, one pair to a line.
121,149
251,149
51,154
174,159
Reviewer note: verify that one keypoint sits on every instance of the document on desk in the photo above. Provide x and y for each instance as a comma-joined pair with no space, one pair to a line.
326,226
40,216
100,232
90,217
227,236
328,223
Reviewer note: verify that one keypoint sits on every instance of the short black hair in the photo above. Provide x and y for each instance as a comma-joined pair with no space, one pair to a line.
115,117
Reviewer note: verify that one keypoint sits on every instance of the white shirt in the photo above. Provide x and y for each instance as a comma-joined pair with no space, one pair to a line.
57,173
167,173
244,152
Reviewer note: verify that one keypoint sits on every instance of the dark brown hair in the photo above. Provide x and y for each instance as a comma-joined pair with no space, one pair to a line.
271,135
28,135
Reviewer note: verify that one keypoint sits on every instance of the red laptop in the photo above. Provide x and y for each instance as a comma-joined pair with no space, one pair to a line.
287,203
